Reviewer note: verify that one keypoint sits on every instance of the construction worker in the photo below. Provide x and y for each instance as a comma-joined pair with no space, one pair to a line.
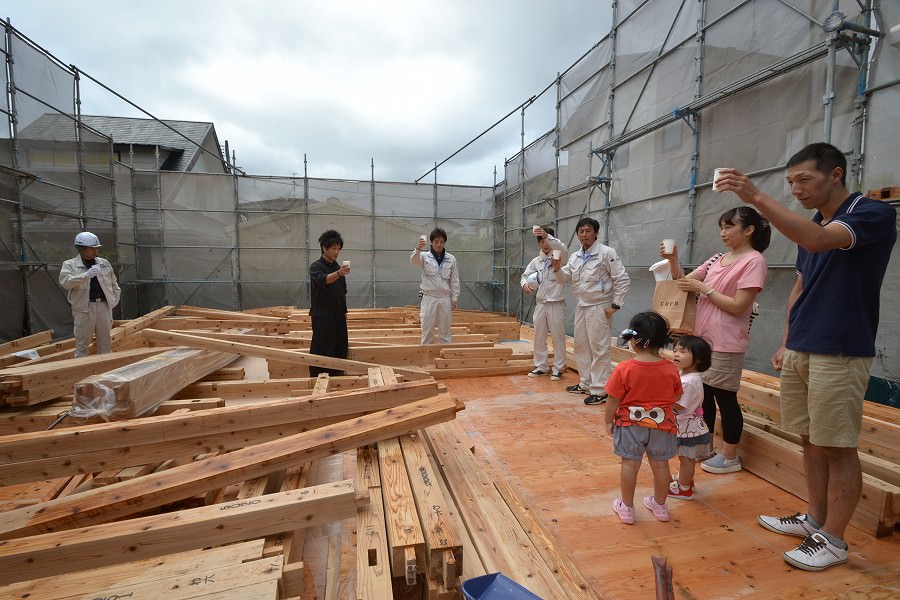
93,292
439,287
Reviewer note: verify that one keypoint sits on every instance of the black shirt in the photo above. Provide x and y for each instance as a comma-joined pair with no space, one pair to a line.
326,299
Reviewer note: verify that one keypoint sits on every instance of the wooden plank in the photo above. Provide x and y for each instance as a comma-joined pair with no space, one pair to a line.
215,313
781,463
87,438
274,353
46,381
218,580
144,537
404,532
150,569
476,352
502,544
519,368
471,363
130,497
568,575
138,388
440,533
26,343
373,573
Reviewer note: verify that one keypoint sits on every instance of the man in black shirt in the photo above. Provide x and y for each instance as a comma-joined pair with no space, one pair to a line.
328,302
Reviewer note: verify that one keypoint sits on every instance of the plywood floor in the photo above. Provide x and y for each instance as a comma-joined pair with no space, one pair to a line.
555,450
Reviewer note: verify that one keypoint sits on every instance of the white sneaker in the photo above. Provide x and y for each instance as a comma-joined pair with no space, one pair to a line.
720,464
795,524
536,373
555,375
816,553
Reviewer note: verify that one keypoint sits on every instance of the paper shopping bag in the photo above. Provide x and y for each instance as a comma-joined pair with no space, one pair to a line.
677,307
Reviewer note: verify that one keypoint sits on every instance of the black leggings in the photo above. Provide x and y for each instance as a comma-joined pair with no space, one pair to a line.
732,418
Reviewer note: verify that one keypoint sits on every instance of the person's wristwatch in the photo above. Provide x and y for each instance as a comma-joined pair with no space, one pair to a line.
615,306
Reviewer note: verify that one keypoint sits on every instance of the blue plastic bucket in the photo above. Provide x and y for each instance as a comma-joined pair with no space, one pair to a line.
495,586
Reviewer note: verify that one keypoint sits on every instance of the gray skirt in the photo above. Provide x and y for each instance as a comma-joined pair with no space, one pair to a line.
725,371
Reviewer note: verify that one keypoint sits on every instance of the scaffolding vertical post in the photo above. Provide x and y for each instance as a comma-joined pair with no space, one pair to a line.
236,274
306,241
374,232
857,157
20,185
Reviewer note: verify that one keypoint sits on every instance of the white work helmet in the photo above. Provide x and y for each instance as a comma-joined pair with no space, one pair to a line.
532,282
87,239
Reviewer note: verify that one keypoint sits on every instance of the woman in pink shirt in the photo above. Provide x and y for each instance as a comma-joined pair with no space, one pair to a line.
728,285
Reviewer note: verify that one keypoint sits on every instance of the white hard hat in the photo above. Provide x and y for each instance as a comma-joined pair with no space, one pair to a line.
532,281
87,239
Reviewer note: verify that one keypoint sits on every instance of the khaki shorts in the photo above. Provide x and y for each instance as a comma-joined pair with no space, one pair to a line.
822,397
725,371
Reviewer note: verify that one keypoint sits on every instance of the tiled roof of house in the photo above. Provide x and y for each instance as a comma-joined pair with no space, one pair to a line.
127,130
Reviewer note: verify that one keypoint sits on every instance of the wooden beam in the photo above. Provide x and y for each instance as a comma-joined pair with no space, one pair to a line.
560,564
130,497
138,388
406,541
140,538
149,569
26,343
274,353
781,463
441,539
43,454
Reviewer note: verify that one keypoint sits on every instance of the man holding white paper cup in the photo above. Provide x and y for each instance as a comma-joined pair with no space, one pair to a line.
539,278
828,347
439,287
328,302
599,284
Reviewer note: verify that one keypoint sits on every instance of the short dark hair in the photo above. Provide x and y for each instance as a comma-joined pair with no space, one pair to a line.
330,238
699,349
548,230
651,330
826,157
588,221
436,233
747,216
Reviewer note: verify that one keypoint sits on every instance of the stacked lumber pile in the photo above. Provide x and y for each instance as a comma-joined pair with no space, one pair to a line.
777,455
209,481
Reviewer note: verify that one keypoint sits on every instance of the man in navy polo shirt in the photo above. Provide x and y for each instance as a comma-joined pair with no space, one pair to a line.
829,341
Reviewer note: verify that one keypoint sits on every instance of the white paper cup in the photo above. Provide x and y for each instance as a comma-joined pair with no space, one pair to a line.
668,246
534,228
346,263
424,238
715,187
556,254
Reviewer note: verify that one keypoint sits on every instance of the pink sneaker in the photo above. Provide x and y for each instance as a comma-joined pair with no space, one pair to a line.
626,513
659,510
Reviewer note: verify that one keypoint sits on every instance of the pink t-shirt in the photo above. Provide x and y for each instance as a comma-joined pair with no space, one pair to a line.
724,331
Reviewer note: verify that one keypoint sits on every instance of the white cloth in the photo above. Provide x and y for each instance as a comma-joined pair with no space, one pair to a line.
441,280
73,277
550,309
90,319
436,311
95,321
550,289
597,275
550,317
592,333
598,279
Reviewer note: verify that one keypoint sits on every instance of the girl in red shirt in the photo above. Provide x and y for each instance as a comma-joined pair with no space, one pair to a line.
640,414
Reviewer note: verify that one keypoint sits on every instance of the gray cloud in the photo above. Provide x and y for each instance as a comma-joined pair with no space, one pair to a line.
404,82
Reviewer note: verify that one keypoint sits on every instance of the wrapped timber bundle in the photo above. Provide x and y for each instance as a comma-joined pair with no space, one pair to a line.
139,388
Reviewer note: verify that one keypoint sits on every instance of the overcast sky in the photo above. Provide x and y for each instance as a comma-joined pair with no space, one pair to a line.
403,82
